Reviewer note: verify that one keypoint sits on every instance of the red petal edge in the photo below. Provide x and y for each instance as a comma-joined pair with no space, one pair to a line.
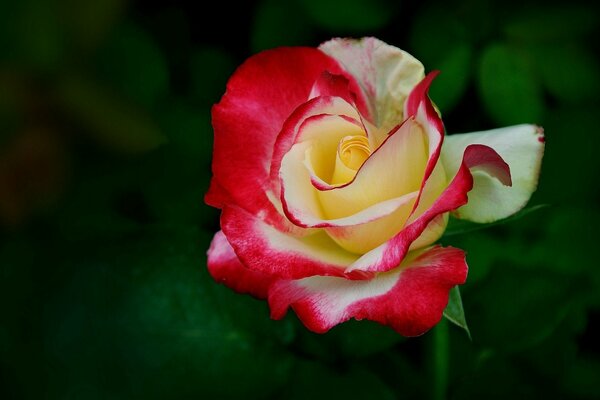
414,303
225,268
265,249
390,254
260,96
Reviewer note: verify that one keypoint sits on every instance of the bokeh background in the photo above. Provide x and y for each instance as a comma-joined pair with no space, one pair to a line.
105,148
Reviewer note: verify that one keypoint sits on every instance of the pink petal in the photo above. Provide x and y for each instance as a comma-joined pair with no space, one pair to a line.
263,248
314,109
225,267
419,106
390,254
260,96
335,85
410,298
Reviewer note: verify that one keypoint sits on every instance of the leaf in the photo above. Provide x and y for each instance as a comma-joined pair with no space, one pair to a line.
89,22
434,31
35,35
516,308
352,340
209,70
279,23
111,120
313,380
138,316
344,16
569,72
508,88
565,156
134,65
454,78
461,227
552,23
454,311
581,379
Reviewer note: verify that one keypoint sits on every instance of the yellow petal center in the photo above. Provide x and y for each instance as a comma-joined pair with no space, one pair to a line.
352,152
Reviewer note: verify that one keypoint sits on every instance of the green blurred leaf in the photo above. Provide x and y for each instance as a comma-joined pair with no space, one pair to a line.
209,70
483,251
508,88
133,63
552,23
550,359
89,22
356,16
496,378
14,92
571,156
438,28
454,311
312,380
279,23
460,227
37,38
569,72
352,339
111,120
439,39
569,235
139,316
452,83
20,330
581,379
189,130
181,178
516,308
435,31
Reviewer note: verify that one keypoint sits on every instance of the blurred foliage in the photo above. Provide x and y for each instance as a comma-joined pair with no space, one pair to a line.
105,145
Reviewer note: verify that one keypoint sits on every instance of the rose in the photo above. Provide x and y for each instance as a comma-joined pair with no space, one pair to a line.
334,179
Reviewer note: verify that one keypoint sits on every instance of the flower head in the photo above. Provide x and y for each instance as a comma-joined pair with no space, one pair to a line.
335,179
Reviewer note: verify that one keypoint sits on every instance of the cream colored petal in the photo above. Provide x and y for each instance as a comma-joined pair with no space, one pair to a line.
521,147
361,238
324,133
385,73
393,170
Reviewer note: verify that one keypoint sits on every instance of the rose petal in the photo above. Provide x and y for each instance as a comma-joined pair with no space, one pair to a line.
260,96
522,147
419,106
225,267
302,120
410,298
334,85
370,209
263,248
391,253
385,73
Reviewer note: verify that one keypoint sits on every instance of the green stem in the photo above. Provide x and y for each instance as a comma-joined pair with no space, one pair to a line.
440,355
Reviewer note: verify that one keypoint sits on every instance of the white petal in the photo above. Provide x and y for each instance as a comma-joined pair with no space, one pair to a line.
522,147
385,73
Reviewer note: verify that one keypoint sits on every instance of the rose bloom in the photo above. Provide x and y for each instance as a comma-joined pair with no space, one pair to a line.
335,179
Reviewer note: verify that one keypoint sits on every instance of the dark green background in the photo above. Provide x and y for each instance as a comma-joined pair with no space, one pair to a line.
105,146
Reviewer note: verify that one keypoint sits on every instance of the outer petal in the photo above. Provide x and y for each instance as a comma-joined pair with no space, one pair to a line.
225,267
385,73
522,147
260,96
390,254
263,248
410,298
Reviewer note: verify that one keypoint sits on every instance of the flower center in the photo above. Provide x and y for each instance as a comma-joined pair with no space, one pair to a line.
352,152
